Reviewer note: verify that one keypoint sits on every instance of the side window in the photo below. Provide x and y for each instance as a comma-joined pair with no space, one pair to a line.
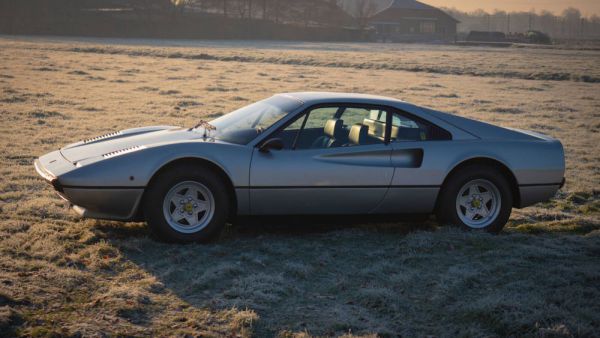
320,130
365,125
290,133
314,125
347,126
352,116
318,117
296,125
405,128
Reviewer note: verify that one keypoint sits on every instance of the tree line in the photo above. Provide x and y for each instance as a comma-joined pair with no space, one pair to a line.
307,12
570,24
310,20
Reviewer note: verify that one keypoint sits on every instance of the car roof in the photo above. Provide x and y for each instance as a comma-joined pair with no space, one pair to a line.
433,116
326,97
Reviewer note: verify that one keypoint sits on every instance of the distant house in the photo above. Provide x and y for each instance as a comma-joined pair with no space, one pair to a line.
410,20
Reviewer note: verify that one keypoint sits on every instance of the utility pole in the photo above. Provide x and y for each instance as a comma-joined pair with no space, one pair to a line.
530,20
508,23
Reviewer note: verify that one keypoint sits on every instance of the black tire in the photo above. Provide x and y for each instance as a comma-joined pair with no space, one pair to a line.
447,212
162,184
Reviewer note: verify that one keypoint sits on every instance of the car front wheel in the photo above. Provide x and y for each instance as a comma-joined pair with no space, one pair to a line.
186,204
478,198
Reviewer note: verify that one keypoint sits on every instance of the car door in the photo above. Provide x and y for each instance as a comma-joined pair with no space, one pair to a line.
322,169
417,147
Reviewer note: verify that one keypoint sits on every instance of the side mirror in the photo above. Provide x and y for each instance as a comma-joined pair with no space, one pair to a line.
271,144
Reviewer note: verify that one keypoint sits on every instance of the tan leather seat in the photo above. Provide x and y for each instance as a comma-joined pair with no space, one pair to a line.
359,134
334,132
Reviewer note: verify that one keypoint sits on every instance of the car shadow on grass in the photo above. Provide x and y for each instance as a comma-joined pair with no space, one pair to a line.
386,275
277,266
287,226
306,225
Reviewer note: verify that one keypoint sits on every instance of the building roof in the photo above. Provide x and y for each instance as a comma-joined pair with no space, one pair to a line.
409,4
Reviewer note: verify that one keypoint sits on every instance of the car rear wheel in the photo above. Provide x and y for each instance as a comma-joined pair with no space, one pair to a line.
186,204
476,198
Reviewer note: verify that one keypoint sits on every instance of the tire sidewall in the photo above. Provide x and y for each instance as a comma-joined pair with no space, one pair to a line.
448,212
158,189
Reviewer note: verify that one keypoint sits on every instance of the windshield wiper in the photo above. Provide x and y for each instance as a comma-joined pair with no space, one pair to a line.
207,127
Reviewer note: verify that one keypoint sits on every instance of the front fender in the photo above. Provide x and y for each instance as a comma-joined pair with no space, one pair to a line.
135,169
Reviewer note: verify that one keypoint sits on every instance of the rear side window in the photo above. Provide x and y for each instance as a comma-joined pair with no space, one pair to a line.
407,128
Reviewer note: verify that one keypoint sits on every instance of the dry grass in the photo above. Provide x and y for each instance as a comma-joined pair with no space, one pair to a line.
60,275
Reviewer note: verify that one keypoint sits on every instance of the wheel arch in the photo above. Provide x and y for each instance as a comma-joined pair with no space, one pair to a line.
200,162
487,161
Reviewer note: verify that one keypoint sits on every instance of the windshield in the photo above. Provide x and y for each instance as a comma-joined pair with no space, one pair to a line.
243,125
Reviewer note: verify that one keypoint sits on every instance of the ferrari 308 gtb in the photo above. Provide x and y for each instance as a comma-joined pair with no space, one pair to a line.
308,153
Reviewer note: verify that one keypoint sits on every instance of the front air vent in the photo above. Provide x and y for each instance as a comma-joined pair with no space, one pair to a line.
123,151
98,138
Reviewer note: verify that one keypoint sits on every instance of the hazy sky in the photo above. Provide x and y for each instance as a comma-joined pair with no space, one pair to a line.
587,7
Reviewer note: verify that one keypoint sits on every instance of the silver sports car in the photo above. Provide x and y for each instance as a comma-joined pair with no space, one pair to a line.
308,153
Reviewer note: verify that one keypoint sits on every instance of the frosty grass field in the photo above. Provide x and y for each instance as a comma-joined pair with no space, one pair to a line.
63,275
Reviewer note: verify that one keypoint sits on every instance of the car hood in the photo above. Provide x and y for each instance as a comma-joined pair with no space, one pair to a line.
125,141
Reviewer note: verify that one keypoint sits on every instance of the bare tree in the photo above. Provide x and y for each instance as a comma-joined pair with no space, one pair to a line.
264,9
361,10
277,10
572,19
366,9
242,7
570,24
180,5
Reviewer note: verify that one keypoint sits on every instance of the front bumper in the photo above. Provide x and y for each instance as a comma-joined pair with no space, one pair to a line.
116,204
120,204
49,177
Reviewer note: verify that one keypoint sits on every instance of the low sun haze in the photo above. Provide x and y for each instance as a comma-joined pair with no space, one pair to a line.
587,7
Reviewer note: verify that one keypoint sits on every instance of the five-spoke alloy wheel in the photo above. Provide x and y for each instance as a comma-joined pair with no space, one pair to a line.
186,203
478,203
188,207
476,197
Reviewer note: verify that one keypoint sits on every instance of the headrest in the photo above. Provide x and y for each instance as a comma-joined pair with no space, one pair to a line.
358,134
376,128
334,128
394,134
